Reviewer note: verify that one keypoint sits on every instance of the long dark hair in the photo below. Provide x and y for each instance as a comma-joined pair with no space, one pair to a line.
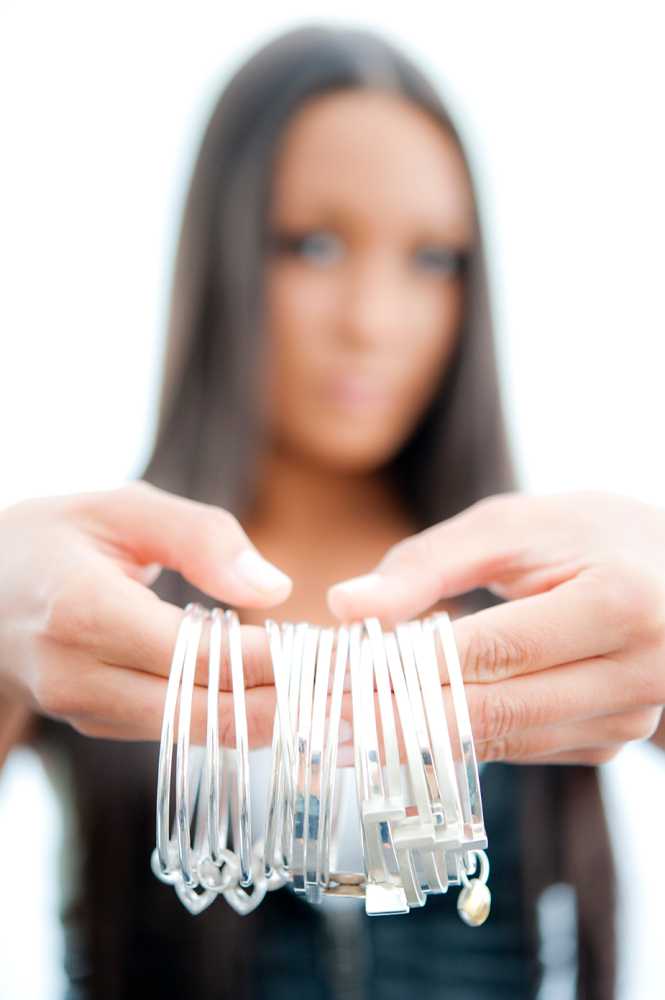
209,390
209,425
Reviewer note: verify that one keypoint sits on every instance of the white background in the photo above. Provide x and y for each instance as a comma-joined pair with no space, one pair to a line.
102,104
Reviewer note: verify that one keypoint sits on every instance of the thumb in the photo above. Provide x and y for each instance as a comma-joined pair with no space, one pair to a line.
466,551
204,543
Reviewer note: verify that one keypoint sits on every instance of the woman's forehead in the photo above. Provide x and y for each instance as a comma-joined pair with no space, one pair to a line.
363,154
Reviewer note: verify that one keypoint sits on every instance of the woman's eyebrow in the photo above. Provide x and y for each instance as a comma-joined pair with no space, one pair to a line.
445,224
455,233
309,217
415,227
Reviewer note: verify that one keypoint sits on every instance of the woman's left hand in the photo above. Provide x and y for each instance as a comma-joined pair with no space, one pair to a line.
572,666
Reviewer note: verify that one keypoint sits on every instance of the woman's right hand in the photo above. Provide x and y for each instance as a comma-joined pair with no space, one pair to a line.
84,639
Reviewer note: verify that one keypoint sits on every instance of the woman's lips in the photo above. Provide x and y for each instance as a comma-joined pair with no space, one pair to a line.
357,393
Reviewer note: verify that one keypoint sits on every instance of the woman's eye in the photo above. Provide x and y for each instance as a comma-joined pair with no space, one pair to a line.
318,245
442,260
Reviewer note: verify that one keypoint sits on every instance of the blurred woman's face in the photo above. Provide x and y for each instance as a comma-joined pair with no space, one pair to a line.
370,211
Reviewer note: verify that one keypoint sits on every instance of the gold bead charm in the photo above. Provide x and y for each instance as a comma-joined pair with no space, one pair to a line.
473,903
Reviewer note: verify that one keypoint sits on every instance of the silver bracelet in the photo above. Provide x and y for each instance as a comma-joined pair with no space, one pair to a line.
421,828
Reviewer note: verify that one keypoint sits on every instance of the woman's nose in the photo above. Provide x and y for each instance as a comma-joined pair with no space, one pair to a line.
373,310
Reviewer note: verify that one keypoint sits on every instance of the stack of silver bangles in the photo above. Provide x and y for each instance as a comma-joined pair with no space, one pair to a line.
420,825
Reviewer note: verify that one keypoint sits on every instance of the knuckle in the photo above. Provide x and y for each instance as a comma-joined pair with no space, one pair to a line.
141,486
506,748
491,502
624,728
259,723
653,723
116,497
413,550
490,750
73,617
636,726
222,522
497,716
56,696
59,622
226,520
506,506
496,655
633,600
647,725
227,729
86,726
647,678
136,488
104,505
601,755
225,675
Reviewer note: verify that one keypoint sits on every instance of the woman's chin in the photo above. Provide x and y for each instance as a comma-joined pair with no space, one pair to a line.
352,458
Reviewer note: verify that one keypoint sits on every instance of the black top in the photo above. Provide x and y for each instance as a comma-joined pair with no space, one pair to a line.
287,948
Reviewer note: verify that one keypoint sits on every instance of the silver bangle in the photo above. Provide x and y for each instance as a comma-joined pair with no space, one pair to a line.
396,800
330,759
470,797
303,737
313,794
164,863
412,835
434,862
218,866
182,862
281,777
420,832
383,892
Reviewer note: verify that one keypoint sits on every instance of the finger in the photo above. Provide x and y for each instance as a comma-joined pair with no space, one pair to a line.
514,544
549,741
120,622
571,693
204,543
123,704
580,618
574,693
593,756
471,549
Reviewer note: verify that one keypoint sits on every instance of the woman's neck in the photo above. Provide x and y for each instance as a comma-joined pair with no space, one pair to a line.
304,499
320,525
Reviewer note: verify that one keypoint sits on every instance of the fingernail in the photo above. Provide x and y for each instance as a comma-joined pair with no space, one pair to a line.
258,572
358,584
345,756
345,731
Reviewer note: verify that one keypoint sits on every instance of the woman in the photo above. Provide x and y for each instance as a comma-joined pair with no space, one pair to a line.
331,380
